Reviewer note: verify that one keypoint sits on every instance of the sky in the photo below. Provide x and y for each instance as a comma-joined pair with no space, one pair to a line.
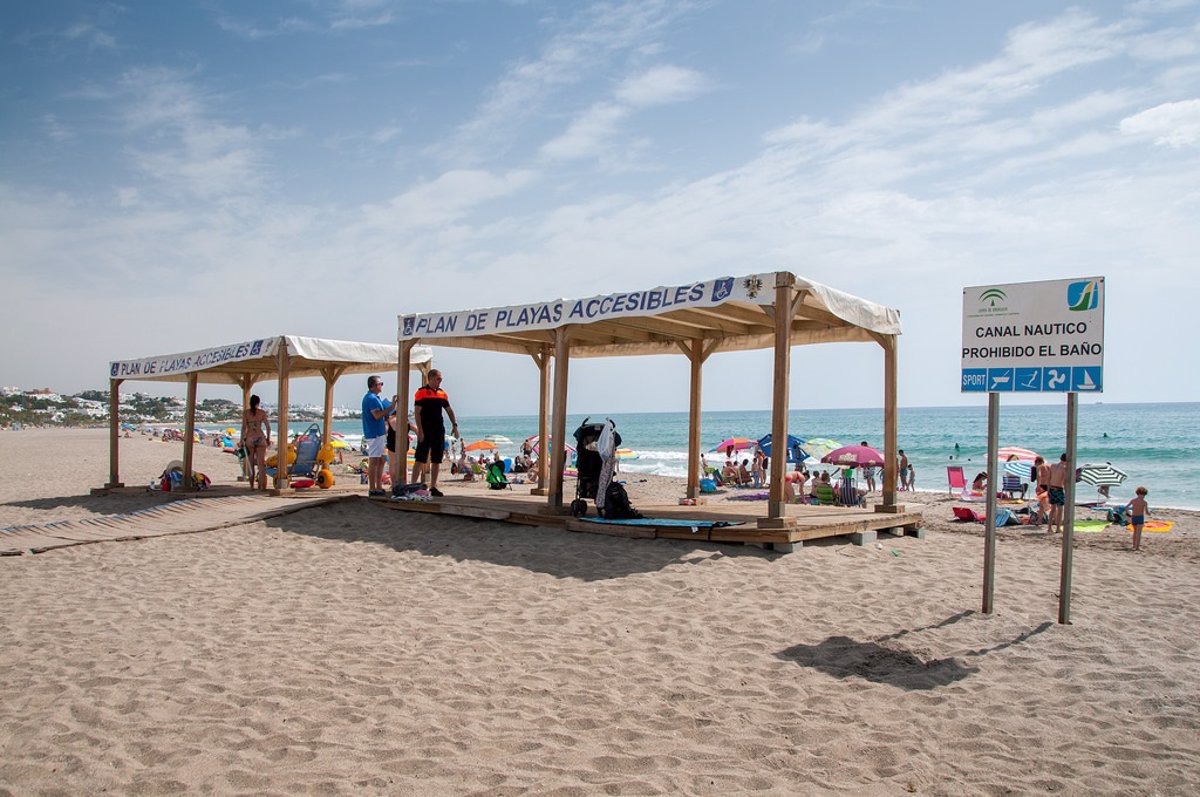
175,176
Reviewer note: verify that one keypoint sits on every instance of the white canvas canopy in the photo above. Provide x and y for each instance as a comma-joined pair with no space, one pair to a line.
737,313
282,357
773,310
230,364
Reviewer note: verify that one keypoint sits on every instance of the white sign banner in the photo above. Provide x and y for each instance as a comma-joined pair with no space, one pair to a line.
1034,337
152,367
548,315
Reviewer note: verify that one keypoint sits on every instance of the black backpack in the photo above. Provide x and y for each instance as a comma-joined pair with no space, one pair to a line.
616,504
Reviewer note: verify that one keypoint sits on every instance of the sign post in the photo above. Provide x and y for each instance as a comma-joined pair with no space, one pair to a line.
1033,337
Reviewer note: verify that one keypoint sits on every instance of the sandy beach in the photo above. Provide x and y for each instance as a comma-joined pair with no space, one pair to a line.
349,649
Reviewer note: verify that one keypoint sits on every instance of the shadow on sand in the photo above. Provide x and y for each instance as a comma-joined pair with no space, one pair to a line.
883,661
562,554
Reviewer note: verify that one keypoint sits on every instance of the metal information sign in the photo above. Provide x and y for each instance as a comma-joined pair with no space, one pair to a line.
1034,337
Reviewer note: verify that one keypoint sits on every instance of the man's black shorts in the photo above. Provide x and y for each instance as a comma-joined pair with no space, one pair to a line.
431,448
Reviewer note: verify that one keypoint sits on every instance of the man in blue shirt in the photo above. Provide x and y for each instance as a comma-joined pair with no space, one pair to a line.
374,419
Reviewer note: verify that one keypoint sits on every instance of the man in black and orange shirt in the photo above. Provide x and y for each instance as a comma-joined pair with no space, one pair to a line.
431,431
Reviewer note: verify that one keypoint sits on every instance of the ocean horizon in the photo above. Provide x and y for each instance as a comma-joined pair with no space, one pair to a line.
1156,444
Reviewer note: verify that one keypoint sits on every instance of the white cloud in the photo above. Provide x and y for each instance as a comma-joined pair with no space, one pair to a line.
446,199
586,135
1172,124
661,85
591,40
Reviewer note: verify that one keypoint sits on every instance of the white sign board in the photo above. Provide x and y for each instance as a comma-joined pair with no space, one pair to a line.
1034,337
152,367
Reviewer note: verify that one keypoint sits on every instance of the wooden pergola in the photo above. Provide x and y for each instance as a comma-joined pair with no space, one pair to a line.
775,310
244,364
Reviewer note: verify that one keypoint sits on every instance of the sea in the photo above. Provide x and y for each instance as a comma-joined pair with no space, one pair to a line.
1157,445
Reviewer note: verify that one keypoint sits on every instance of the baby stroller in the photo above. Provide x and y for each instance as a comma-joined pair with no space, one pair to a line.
495,476
588,464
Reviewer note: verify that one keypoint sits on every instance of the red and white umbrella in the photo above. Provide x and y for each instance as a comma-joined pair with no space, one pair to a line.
854,456
1021,454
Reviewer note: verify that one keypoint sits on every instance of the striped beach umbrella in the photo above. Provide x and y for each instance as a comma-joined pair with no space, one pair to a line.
623,454
1102,475
1022,454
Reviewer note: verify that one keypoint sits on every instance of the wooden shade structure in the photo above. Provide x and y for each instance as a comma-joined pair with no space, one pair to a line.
282,357
775,310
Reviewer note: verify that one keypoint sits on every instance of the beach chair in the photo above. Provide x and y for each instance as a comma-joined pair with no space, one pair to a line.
308,445
825,495
958,480
1013,486
848,494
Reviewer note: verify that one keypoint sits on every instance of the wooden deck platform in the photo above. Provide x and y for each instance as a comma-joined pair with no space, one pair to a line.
803,522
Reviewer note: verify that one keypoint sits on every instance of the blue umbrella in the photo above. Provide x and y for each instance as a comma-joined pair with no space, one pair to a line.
795,448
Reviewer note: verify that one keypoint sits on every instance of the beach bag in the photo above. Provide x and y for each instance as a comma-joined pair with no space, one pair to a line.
616,504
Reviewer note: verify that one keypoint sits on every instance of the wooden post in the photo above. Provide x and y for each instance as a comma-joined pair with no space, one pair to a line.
331,374
114,433
697,353
542,358
558,434
890,426
784,282
189,432
281,438
246,382
403,395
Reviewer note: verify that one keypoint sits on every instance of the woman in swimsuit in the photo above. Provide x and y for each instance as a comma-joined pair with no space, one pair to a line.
256,436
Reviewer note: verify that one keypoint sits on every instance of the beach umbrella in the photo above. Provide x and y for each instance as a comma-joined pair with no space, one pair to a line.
625,453
231,431
854,456
1022,454
481,445
738,444
1019,469
498,439
1102,475
795,448
817,447
335,443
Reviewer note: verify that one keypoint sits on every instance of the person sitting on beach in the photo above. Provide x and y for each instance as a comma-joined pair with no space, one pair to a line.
729,473
1041,512
743,474
980,482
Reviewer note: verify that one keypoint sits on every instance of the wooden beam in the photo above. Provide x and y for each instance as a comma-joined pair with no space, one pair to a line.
697,357
281,439
559,432
404,394
890,424
331,374
702,322
114,433
189,433
543,361
658,327
755,316
784,290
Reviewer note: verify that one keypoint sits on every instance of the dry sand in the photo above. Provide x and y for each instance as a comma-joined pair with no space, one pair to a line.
349,649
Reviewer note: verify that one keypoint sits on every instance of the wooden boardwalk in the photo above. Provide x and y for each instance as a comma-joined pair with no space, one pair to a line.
803,522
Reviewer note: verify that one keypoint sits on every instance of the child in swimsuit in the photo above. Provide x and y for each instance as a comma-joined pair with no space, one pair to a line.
1138,509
